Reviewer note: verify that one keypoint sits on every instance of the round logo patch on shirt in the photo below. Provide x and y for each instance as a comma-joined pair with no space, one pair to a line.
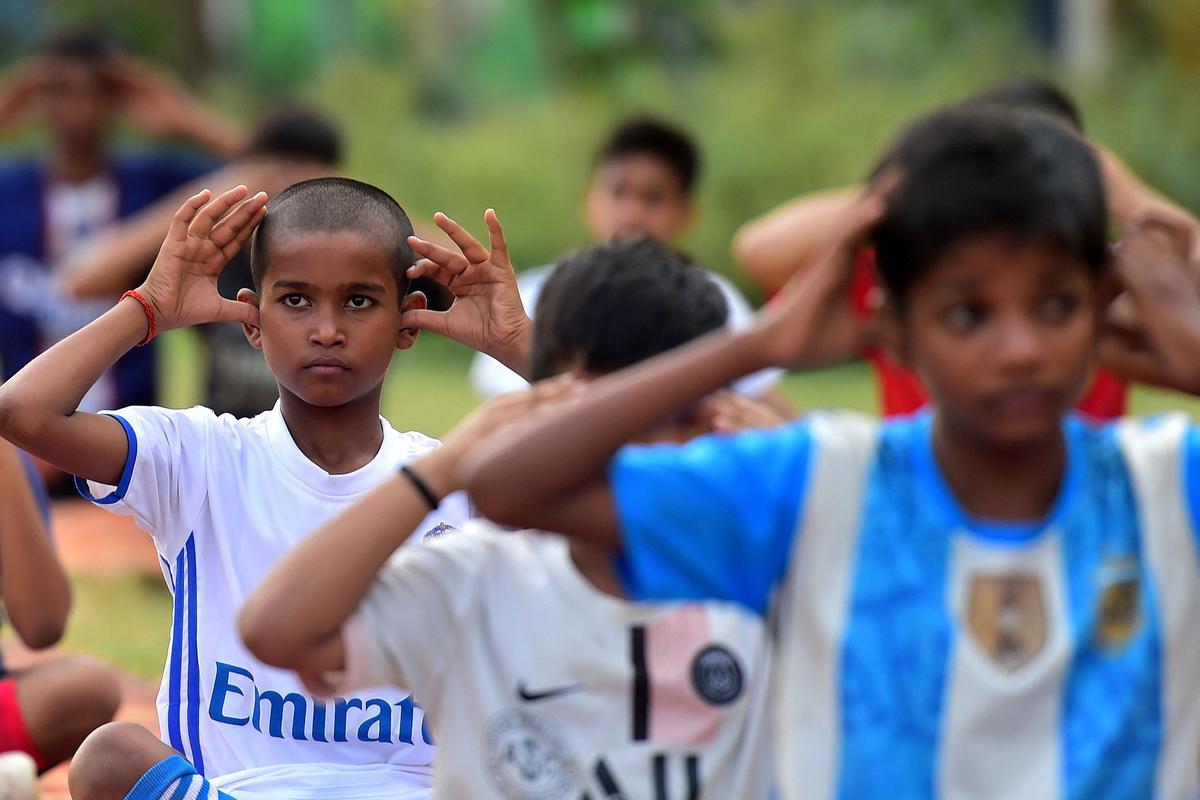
717,675
528,757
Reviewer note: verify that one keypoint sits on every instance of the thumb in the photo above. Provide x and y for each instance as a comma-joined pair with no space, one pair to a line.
237,311
424,319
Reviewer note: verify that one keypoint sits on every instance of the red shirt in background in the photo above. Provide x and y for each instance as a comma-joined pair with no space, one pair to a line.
900,390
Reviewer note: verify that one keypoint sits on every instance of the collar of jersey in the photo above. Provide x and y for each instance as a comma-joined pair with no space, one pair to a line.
937,490
312,476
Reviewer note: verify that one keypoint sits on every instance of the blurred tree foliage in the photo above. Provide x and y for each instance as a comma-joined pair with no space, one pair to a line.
457,105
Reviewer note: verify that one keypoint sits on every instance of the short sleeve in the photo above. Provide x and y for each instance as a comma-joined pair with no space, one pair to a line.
164,482
410,621
741,316
713,519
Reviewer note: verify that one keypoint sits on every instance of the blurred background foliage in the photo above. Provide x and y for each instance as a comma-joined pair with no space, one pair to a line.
457,105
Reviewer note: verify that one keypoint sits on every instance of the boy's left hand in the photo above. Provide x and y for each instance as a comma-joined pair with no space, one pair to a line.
487,314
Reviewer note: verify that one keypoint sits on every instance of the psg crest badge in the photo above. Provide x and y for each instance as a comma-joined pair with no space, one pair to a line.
1006,615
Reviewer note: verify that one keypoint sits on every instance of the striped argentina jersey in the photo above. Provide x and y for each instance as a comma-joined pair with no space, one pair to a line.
922,652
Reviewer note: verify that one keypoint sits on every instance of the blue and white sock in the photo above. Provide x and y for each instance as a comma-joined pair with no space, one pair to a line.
174,778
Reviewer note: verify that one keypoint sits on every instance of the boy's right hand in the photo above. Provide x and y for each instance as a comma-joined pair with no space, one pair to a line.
204,234
793,327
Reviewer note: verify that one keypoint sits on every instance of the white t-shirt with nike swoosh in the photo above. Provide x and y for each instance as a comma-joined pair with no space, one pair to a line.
537,685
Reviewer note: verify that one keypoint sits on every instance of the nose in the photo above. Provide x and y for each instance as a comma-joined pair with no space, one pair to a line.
1019,345
326,330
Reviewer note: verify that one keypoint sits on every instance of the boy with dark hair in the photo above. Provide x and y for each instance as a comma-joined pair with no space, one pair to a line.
225,498
643,183
77,85
795,236
608,698
46,710
993,598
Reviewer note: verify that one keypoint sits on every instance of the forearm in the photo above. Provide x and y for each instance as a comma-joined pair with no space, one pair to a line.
302,605
211,132
37,594
38,405
518,478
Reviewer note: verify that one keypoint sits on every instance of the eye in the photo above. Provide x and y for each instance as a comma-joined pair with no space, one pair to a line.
359,302
1058,308
294,300
964,316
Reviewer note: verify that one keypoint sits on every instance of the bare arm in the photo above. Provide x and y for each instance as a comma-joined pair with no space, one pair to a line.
295,617
37,594
116,260
553,475
38,405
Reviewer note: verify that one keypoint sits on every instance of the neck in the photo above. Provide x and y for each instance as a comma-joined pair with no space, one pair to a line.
337,439
998,483
595,565
77,163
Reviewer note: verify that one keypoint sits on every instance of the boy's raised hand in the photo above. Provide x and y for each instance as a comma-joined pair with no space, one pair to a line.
794,327
205,233
487,314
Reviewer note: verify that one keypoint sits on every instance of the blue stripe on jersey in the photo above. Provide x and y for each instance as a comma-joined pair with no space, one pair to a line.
1112,713
118,494
175,670
898,633
193,685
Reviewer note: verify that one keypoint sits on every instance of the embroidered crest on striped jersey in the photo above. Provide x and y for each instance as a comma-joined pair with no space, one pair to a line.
1006,615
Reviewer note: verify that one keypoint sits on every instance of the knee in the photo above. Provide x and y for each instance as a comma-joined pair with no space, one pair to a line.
90,689
110,761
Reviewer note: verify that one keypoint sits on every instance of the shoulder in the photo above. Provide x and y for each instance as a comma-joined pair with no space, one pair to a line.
410,444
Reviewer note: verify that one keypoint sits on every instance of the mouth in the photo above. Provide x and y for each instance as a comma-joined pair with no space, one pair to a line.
326,366
1021,401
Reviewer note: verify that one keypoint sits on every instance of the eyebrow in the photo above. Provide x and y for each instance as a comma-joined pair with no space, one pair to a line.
356,286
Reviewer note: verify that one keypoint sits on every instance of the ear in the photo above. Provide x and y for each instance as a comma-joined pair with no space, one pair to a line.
894,334
252,332
413,301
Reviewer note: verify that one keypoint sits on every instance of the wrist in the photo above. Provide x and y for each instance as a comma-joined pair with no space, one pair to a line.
516,350
437,471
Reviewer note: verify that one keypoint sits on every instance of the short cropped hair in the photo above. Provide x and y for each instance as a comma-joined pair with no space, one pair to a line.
81,44
969,171
298,133
611,305
648,136
334,205
1032,94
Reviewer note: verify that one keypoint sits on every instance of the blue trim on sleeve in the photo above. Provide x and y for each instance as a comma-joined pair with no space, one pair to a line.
118,494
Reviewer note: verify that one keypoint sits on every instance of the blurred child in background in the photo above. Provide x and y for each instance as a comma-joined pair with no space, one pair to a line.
643,183
794,237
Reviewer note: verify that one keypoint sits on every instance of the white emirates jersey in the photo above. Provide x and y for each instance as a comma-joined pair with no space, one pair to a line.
224,500
540,686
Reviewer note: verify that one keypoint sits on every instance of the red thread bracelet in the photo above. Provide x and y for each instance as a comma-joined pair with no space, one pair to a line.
151,321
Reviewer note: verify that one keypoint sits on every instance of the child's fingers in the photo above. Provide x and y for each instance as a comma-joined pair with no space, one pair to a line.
237,311
468,244
231,249
423,319
496,234
442,256
240,220
208,216
425,268
186,213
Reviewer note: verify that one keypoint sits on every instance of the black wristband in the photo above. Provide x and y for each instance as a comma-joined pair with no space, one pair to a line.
422,488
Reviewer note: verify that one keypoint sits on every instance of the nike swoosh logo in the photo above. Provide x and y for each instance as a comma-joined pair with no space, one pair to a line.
531,697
